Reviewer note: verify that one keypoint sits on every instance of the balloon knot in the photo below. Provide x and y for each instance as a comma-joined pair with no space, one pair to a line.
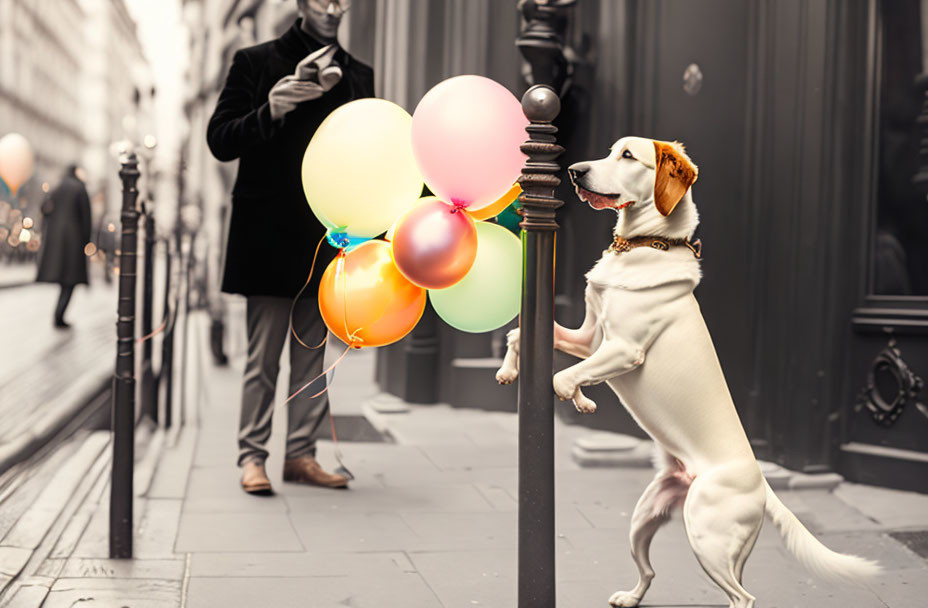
339,240
457,205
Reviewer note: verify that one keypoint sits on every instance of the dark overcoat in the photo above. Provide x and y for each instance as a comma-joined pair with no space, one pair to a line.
65,232
272,232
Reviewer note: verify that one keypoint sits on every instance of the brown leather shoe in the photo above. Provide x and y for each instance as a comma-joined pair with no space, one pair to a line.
306,469
254,479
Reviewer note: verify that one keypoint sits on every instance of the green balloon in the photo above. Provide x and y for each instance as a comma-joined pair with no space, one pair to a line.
490,294
510,219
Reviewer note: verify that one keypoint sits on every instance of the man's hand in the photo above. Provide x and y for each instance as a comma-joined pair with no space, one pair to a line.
316,74
290,91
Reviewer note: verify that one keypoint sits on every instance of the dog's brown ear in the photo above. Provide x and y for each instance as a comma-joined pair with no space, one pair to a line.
675,173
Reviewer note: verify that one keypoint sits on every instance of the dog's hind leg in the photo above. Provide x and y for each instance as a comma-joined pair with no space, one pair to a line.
723,513
663,494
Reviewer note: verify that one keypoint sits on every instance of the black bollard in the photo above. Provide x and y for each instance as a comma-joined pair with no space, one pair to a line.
166,373
123,420
536,395
149,384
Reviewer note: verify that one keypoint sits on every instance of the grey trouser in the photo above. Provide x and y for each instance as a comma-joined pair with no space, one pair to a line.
268,321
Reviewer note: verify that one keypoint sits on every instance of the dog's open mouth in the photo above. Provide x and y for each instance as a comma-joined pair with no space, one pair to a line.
601,201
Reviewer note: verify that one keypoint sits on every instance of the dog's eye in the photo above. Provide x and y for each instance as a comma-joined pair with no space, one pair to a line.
627,154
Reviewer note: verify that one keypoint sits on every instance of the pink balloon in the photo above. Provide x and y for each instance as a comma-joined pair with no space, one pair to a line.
466,133
434,244
16,160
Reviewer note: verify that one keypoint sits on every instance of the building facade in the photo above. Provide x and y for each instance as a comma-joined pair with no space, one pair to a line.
73,81
805,119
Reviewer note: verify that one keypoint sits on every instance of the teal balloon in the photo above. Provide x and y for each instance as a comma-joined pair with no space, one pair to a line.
510,218
490,294
343,240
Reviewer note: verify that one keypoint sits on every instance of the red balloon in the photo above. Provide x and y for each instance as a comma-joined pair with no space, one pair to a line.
434,244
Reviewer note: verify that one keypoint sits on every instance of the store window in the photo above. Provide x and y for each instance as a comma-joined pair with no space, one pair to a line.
900,246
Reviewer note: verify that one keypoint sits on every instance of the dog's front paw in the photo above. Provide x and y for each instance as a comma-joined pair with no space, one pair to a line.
584,404
564,386
507,374
624,598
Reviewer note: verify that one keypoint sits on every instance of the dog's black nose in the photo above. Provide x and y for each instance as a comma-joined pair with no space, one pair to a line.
577,170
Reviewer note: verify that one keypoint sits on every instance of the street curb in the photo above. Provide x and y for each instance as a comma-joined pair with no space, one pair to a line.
27,444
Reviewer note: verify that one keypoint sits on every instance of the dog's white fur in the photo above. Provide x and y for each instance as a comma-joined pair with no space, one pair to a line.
644,335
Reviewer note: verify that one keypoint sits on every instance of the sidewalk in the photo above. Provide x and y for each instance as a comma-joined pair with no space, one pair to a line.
431,521
16,275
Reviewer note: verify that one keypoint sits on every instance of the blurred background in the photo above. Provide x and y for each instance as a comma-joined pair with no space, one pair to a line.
807,118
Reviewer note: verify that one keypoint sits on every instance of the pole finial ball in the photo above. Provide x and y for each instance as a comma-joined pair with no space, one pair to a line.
541,104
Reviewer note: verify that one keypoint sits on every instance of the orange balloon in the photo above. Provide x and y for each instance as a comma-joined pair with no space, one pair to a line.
494,209
365,300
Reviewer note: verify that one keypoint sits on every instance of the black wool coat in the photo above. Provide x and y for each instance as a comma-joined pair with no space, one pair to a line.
65,232
272,232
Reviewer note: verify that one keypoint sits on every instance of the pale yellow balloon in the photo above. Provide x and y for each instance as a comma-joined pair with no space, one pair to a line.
359,172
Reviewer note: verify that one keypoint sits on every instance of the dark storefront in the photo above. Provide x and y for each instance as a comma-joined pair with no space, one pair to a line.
807,120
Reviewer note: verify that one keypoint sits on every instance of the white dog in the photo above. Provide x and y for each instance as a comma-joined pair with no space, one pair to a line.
644,335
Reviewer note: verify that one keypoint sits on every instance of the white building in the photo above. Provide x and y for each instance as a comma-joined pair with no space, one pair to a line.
73,80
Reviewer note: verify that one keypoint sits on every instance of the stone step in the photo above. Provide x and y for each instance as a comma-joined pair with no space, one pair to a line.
51,509
605,449
474,385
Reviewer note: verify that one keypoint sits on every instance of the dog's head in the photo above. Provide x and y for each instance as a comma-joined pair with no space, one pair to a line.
638,172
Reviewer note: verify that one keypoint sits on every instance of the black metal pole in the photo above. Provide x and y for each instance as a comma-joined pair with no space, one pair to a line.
149,387
184,362
123,420
166,373
536,395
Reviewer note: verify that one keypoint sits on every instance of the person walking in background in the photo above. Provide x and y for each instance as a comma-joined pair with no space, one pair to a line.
274,99
66,220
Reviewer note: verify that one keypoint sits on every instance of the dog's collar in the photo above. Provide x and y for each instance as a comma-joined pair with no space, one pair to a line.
620,245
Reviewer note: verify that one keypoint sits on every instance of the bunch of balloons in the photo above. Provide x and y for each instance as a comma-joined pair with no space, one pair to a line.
17,162
363,173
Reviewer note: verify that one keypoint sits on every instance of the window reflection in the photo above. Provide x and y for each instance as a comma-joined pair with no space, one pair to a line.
900,247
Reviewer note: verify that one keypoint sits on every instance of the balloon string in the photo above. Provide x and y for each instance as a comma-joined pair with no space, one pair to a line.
338,449
323,374
166,326
155,332
312,269
354,341
331,368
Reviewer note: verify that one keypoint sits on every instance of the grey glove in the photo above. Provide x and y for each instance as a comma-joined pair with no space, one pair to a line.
314,75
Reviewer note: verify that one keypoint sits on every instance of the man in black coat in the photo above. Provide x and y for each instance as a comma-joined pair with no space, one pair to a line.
274,99
66,231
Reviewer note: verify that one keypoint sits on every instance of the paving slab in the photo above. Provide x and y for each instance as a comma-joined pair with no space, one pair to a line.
114,593
216,489
27,596
891,508
407,590
310,564
448,497
353,531
464,579
161,569
454,456
222,532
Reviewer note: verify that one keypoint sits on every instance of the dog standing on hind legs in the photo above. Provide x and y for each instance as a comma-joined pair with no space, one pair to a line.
644,336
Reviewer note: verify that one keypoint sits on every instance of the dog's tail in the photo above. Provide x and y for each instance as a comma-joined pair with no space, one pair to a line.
813,555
